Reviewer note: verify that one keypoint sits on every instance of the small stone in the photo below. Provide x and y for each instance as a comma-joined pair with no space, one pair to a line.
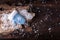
38,8
35,23
35,31
59,23
28,29
49,29
19,4
39,11
48,9
41,20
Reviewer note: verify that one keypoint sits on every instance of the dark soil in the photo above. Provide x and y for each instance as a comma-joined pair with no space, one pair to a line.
45,25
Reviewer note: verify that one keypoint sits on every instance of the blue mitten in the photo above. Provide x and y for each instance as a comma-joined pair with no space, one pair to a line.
19,19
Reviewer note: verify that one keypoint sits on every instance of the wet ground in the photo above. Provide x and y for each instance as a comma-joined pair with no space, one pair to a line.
45,25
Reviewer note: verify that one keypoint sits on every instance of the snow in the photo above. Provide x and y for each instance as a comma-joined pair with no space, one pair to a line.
26,14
